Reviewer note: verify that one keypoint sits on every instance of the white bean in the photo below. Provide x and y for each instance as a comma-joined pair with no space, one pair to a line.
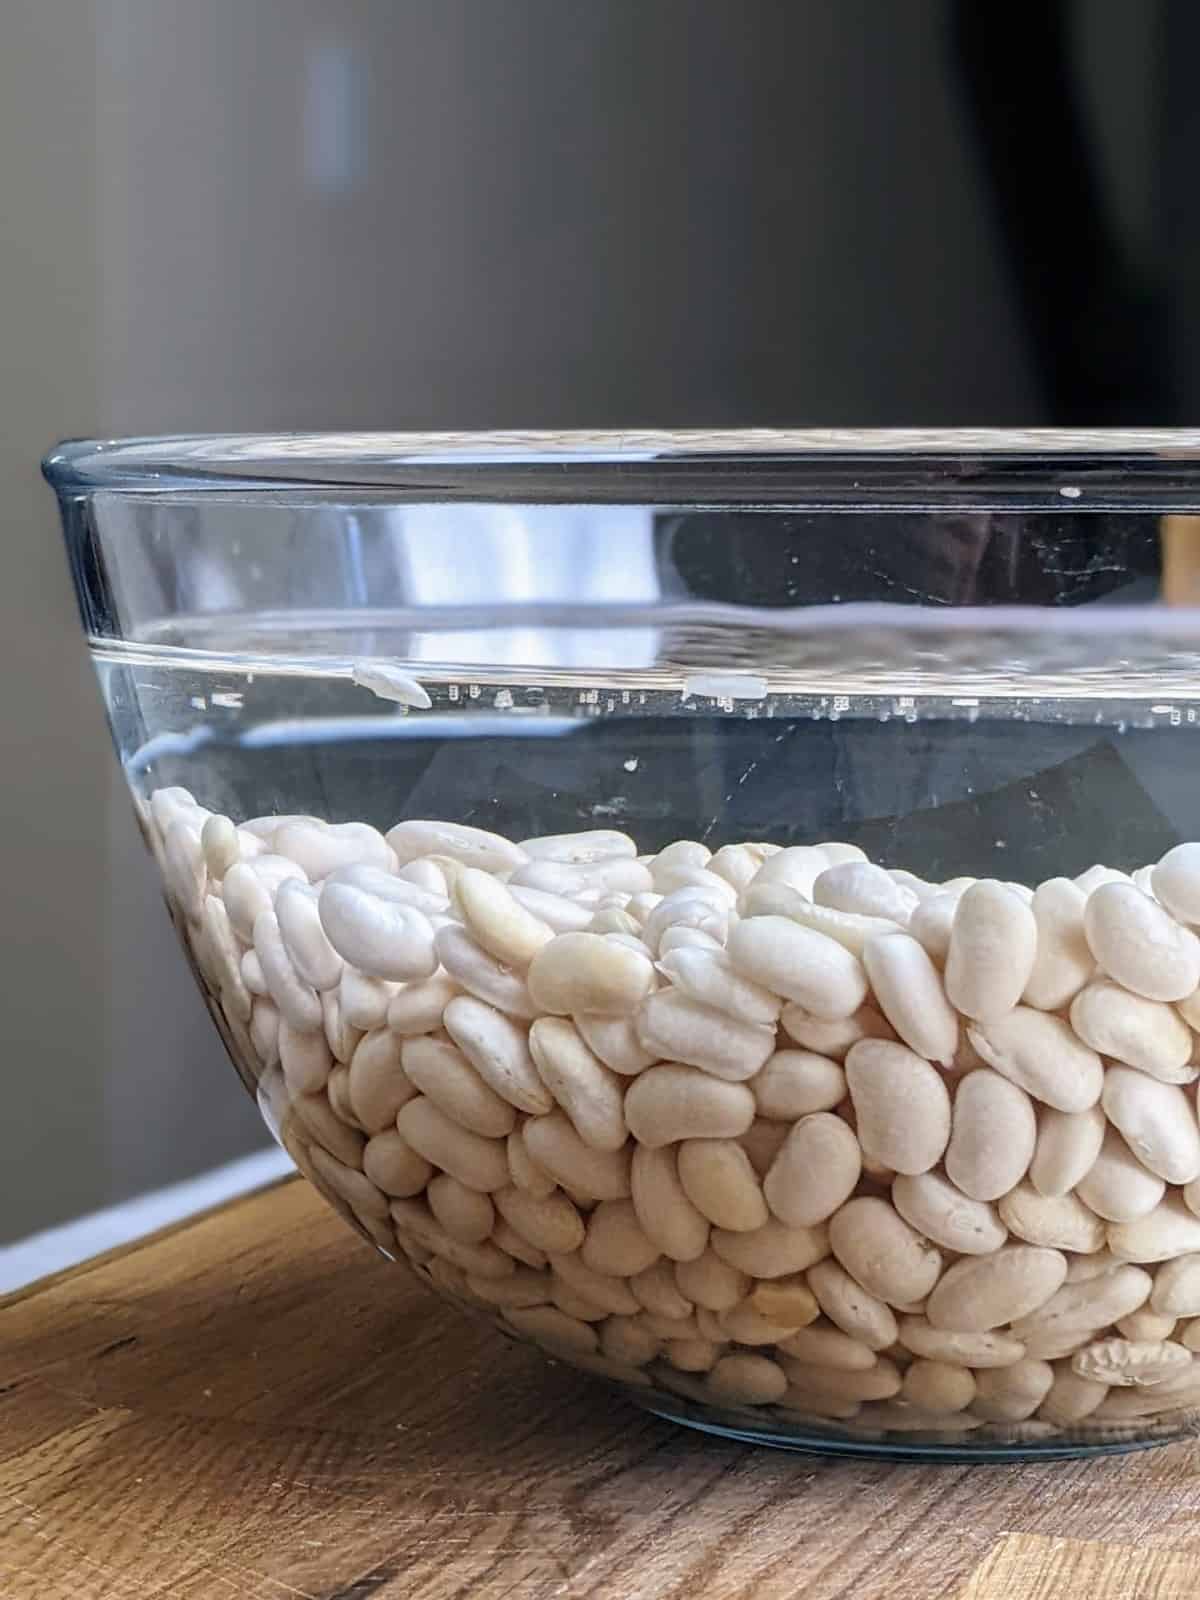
993,1135
1167,1231
471,847
979,1293
669,1102
500,1051
932,1205
615,1041
497,920
865,890
1176,882
364,1000
1139,944
1117,1186
1068,1143
1061,1222
901,1105
298,1001
795,1083
479,1162
675,1027
444,1075
1156,1121
312,955
908,990
588,972
589,1093
1040,1054
595,844
383,939
1146,1034
807,967
993,945
321,848
880,1251
418,1007
815,1172
559,914
556,1147
1063,963
473,969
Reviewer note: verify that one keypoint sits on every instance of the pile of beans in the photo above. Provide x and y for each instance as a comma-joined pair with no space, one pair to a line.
778,1131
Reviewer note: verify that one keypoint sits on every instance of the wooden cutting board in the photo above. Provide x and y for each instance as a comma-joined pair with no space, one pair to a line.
255,1407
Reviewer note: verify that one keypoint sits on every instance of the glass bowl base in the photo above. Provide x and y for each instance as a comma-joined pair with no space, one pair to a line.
801,1441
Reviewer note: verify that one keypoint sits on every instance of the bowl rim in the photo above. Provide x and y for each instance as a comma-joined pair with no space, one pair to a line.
305,454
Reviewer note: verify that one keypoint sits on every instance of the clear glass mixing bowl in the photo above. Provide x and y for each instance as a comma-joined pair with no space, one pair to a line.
712,903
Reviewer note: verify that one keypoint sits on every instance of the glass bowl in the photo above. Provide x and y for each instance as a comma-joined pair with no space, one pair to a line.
718,905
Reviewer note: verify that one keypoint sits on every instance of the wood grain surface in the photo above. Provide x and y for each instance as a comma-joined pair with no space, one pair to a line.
255,1407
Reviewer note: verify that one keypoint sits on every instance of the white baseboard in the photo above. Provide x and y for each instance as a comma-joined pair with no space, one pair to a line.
42,1254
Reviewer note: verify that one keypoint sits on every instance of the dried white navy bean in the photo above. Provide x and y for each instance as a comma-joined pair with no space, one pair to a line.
312,955
1146,1034
1010,1394
993,945
1117,1186
471,968
975,1350
499,1050
444,1075
321,848
1176,882
931,924
1038,1052
252,972
264,1030
670,1102
853,1309
1127,1363
395,1167
298,1001
1139,944
588,972
678,1228
676,1027
931,1204
979,1293
1068,1143
1169,1230
901,1105
848,928
559,914
864,889
588,1091
249,887
592,845
833,1038
497,920
908,990
993,1135
815,1172
386,939
1176,1291
708,976
364,1001
807,967
479,1162
305,1058
719,1181
1063,963
1156,1121
795,1083
1062,1222
472,847
615,1041
418,1007
1097,875
798,866
879,1250
556,1147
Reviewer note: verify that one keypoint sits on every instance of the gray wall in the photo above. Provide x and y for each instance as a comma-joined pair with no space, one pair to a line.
289,213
